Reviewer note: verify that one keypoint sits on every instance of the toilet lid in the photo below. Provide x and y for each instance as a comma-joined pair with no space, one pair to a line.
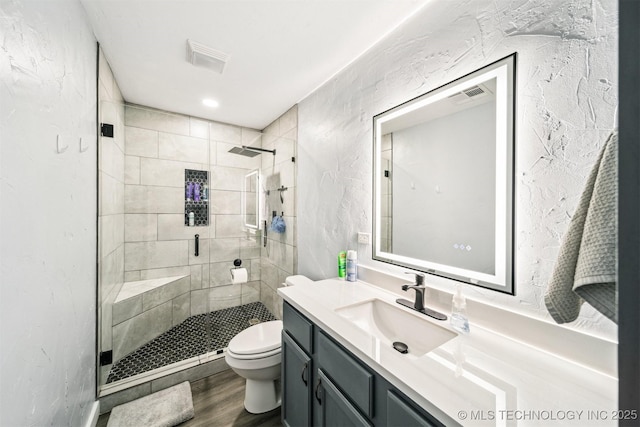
257,338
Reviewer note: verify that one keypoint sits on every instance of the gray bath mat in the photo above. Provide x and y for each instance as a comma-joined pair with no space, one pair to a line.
165,408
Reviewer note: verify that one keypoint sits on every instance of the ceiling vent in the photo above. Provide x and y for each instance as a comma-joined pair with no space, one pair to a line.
206,57
475,92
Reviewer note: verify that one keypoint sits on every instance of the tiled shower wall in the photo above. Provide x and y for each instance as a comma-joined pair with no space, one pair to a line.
159,147
143,235
279,258
111,204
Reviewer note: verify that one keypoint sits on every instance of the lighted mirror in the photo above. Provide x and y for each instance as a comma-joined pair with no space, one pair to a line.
250,201
443,180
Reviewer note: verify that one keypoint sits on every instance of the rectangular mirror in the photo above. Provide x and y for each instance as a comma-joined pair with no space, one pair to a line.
443,180
250,200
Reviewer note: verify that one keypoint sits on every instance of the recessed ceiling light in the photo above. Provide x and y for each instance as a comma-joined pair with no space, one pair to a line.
210,103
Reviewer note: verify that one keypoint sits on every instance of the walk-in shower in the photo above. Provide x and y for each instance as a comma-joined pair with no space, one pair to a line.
165,295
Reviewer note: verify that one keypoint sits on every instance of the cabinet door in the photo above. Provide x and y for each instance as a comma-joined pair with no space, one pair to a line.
401,414
296,384
332,408
347,373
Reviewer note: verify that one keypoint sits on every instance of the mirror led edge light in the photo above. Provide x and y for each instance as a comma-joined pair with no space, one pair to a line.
504,72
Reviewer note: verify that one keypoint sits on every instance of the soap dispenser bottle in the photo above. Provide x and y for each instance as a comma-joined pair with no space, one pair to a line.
459,319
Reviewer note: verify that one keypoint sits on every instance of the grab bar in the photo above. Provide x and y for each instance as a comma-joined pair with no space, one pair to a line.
197,245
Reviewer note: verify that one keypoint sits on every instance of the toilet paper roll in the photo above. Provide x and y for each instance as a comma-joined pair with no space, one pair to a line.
239,275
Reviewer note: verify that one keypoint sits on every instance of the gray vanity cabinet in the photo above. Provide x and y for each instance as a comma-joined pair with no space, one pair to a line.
344,388
332,408
323,384
296,384
400,414
297,369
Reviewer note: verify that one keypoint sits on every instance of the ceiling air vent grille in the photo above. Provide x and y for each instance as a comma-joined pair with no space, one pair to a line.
204,56
470,94
473,91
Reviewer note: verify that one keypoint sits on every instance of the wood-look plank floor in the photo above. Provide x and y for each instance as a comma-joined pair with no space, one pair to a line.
218,402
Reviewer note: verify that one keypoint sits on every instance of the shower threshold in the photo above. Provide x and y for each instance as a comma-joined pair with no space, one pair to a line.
162,372
199,339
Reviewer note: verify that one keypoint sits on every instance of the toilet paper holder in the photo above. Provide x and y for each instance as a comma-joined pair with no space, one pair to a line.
238,274
236,264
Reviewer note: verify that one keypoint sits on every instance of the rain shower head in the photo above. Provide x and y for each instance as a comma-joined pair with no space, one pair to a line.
250,151
244,152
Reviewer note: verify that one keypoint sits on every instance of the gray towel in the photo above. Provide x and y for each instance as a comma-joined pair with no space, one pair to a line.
587,263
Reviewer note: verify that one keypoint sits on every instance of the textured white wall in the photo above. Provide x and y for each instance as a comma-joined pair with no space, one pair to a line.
48,209
567,105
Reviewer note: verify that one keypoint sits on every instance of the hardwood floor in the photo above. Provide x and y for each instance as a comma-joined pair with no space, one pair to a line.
218,402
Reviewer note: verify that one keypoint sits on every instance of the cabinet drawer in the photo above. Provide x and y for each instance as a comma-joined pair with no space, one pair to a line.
298,327
355,381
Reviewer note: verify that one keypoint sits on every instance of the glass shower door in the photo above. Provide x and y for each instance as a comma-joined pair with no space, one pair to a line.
111,182
235,210
151,304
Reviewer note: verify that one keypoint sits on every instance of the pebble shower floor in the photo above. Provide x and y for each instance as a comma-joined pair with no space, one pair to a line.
189,339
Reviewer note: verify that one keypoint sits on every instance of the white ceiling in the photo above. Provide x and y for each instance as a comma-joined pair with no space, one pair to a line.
280,50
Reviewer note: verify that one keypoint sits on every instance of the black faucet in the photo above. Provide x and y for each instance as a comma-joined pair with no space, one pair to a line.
419,287
418,304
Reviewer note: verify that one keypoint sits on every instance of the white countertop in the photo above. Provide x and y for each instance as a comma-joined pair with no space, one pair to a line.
479,379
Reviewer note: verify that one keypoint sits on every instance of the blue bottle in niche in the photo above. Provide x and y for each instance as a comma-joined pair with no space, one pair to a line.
189,191
196,192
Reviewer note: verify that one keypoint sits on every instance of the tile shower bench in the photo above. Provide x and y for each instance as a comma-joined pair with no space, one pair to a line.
146,308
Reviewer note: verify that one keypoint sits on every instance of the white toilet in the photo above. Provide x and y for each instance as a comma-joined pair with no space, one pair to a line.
255,355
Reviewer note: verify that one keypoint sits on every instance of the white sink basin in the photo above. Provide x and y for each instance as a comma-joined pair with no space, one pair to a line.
391,323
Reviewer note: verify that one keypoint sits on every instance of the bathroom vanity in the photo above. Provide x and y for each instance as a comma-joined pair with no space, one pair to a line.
340,368
326,385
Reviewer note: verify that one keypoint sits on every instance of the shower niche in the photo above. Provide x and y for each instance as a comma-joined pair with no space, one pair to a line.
196,198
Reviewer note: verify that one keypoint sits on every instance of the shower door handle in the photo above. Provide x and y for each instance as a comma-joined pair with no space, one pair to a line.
197,245
264,234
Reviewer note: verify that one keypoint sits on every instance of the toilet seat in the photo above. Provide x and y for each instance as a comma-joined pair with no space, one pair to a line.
253,356
257,341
